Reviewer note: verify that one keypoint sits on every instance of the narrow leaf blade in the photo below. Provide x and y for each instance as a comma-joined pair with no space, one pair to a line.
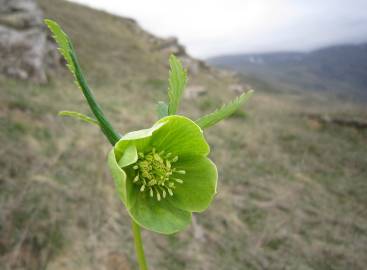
177,83
79,116
224,112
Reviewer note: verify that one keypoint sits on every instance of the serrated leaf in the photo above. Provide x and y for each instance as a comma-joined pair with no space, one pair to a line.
63,41
79,116
224,112
67,51
162,109
177,83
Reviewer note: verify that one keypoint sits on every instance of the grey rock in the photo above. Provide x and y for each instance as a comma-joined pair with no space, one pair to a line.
25,50
171,46
194,91
194,66
236,88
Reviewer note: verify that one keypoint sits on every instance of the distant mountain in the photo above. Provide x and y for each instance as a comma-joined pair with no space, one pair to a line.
341,69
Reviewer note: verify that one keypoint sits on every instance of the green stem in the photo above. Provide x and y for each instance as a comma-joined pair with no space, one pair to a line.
139,250
113,137
106,127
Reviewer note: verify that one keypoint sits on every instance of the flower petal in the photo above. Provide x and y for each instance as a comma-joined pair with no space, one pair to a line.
199,184
158,216
180,136
141,139
124,188
129,156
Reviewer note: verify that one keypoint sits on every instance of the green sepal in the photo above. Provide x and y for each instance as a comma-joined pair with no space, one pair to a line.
161,217
124,188
130,156
140,139
180,136
199,184
224,112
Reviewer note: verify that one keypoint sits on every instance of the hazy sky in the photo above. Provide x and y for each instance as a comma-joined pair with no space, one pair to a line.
212,27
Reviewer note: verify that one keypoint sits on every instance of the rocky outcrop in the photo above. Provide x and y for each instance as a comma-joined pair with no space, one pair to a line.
194,91
26,52
237,88
171,45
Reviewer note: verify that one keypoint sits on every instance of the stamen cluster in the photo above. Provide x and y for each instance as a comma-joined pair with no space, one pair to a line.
155,173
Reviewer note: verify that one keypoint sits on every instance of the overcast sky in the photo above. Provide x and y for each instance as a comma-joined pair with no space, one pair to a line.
212,27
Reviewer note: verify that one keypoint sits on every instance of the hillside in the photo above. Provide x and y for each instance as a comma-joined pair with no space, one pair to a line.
291,190
338,70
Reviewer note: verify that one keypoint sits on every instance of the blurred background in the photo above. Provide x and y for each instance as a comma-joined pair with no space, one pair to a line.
292,162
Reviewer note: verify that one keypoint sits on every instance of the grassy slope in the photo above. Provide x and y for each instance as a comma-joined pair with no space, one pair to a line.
291,192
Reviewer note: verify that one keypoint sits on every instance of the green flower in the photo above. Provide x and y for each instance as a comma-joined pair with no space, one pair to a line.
162,174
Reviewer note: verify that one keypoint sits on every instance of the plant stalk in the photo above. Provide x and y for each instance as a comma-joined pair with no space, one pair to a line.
139,250
111,134
113,137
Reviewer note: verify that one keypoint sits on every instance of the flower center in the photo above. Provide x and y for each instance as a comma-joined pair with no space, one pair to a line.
155,173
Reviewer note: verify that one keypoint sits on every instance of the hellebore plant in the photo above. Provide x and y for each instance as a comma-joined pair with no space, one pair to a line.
162,174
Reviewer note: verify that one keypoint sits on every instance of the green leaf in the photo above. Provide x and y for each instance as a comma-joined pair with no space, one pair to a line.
79,116
162,109
67,50
63,41
177,82
224,112
199,184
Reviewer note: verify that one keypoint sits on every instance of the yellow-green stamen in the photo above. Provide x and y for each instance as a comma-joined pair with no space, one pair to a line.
154,173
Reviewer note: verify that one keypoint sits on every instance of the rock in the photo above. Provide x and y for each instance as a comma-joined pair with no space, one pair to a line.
171,46
236,88
168,45
25,50
194,66
239,88
168,42
194,91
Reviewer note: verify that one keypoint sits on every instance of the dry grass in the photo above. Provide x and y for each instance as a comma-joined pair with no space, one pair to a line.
291,192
